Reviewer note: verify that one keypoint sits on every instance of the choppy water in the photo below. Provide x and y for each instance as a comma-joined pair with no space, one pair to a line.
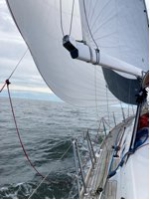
46,129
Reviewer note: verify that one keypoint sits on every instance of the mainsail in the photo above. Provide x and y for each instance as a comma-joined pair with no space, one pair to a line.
117,27
120,29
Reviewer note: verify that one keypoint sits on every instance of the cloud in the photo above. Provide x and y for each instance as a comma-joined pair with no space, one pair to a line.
30,89
6,22
12,48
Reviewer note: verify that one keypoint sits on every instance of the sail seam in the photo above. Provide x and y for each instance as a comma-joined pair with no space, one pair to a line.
89,25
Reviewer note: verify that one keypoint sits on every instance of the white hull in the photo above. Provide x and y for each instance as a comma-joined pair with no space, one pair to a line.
130,181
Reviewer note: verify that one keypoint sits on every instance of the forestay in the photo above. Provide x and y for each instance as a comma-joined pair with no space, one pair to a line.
73,81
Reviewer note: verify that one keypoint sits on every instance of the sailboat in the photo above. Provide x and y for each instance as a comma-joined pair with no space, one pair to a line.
82,47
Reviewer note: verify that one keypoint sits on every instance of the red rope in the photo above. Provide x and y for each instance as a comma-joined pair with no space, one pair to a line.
14,70
18,133
3,87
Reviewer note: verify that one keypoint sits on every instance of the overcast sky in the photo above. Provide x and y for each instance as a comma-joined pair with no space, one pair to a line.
12,48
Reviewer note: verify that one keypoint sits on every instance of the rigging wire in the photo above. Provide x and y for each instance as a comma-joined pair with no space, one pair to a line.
97,54
71,20
95,85
14,70
107,103
7,82
129,97
122,110
61,18
49,172
18,132
18,64
22,145
133,110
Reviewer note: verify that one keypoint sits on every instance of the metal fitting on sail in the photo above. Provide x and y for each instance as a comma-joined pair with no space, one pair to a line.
81,51
97,52
70,44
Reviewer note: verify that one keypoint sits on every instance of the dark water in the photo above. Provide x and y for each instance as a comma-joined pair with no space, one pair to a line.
46,129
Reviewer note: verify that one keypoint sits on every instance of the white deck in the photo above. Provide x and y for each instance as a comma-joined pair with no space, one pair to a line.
130,180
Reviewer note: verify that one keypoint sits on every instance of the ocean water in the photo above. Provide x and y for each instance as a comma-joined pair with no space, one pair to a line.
46,129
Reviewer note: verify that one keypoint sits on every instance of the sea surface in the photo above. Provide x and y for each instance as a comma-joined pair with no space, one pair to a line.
46,130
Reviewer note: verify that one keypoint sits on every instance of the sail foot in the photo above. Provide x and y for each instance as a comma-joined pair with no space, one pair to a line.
81,51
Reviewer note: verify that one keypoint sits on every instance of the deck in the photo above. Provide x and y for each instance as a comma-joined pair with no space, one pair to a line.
96,179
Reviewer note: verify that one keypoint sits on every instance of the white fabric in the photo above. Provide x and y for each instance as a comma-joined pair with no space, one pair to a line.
119,28
73,81
39,22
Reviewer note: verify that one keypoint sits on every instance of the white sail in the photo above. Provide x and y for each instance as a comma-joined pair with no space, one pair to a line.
41,22
118,28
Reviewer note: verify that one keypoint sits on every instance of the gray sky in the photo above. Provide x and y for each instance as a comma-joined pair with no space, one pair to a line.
12,48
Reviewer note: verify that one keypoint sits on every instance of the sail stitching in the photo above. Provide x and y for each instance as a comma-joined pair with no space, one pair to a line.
88,24
92,13
105,22
99,14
